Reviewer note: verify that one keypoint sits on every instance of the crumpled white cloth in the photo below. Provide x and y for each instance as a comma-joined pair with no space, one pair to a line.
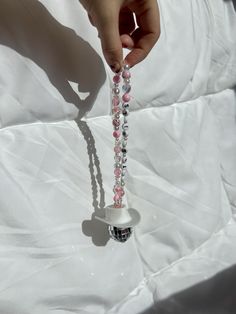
56,169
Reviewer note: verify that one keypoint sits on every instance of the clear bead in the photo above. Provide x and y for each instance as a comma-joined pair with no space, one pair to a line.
125,106
117,158
126,88
125,126
117,182
126,80
125,112
117,115
125,134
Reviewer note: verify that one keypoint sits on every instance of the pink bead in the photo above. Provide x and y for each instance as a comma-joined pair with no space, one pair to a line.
117,205
116,122
116,197
117,149
115,110
116,134
115,101
126,97
119,190
116,79
117,172
126,74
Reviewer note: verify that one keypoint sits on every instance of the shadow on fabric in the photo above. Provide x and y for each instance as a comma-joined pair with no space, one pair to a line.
97,230
27,27
216,295
234,3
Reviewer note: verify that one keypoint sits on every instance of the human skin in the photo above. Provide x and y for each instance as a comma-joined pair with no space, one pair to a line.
115,22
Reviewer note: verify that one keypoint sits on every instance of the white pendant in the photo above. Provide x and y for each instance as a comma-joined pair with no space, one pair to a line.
120,221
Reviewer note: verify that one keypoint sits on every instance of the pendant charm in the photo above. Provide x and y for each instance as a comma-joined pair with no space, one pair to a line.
120,234
121,221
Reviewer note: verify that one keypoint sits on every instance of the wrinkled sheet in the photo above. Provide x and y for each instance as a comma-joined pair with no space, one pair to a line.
56,162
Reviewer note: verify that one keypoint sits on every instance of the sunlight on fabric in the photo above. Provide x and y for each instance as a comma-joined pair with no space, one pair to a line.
75,87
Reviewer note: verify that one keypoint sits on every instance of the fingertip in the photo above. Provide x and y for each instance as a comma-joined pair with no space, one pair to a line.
127,41
135,56
115,67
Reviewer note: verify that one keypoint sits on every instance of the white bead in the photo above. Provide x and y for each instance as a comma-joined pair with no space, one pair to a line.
125,126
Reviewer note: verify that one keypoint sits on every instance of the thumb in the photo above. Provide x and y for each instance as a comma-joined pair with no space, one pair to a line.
108,28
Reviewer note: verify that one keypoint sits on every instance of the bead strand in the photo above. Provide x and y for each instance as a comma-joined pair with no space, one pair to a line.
120,133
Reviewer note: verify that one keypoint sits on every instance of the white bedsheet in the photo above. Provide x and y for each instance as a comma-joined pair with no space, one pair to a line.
56,169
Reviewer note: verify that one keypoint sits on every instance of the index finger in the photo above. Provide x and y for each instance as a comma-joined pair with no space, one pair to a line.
147,33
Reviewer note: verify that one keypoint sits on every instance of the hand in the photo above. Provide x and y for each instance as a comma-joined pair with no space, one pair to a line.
115,22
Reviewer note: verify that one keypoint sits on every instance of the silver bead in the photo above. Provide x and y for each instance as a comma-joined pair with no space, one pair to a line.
122,182
127,81
124,144
116,128
116,90
124,160
117,165
126,67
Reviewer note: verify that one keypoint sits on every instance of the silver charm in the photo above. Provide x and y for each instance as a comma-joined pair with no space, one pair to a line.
121,221
120,234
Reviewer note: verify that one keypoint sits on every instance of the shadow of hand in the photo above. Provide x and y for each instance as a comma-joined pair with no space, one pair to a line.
27,27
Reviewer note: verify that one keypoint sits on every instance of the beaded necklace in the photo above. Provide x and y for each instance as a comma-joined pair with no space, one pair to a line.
120,219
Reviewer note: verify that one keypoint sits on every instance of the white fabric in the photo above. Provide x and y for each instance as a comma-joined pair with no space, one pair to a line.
57,170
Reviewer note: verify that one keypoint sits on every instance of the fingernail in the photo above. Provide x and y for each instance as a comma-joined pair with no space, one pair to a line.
126,63
115,67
